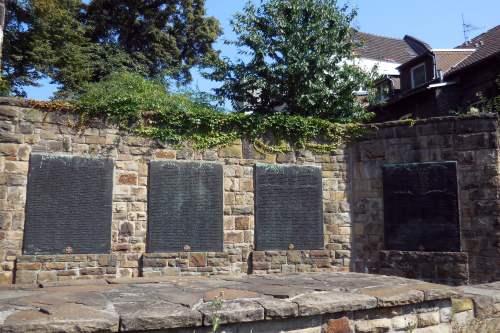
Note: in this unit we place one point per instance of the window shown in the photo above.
(362, 91)
(383, 92)
(418, 75)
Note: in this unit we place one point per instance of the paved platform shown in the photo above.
(138, 305)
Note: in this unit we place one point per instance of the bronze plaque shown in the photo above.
(421, 207)
(288, 207)
(185, 207)
(68, 205)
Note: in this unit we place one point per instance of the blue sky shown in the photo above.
(437, 22)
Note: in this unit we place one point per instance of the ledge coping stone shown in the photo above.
(188, 302)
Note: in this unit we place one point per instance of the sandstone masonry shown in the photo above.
(473, 142)
(352, 201)
(24, 131)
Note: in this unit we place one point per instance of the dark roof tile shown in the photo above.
(383, 48)
(446, 60)
(486, 44)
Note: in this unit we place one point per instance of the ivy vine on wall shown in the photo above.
(144, 107)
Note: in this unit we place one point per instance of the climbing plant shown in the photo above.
(144, 107)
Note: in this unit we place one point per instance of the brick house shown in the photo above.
(440, 81)
(384, 55)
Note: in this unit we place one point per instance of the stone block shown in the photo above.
(341, 325)
(6, 137)
(9, 111)
(316, 303)
(55, 265)
(234, 311)
(294, 257)
(428, 319)
(8, 149)
(445, 315)
(375, 325)
(286, 157)
(234, 150)
(92, 271)
(47, 277)
(259, 265)
(166, 154)
(28, 266)
(462, 319)
(26, 277)
(197, 260)
(6, 278)
(71, 272)
(320, 253)
(129, 264)
(461, 304)
(259, 256)
(154, 262)
(246, 185)
(275, 308)
(406, 322)
(395, 295)
(231, 237)
(127, 179)
(122, 247)
(442, 328)
(150, 274)
(242, 222)
(127, 229)
(322, 263)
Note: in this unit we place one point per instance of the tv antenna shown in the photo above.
(467, 28)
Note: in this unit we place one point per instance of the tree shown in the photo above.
(165, 36)
(2, 23)
(75, 43)
(18, 58)
(296, 58)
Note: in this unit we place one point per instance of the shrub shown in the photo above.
(145, 107)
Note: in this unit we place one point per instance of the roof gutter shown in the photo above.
(442, 84)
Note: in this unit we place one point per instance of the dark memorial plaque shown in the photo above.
(68, 205)
(185, 206)
(421, 207)
(288, 207)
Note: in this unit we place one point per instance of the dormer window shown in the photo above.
(418, 76)
(383, 92)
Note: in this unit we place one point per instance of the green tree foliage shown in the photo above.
(295, 55)
(65, 53)
(18, 59)
(165, 36)
(74, 43)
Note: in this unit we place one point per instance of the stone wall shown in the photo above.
(24, 131)
(471, 141)
(450, 268)
(352, 192)
(51, 268)
(295, 261)
(176, 263)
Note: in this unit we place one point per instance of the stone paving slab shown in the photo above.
(318, 303)
(176, 302)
